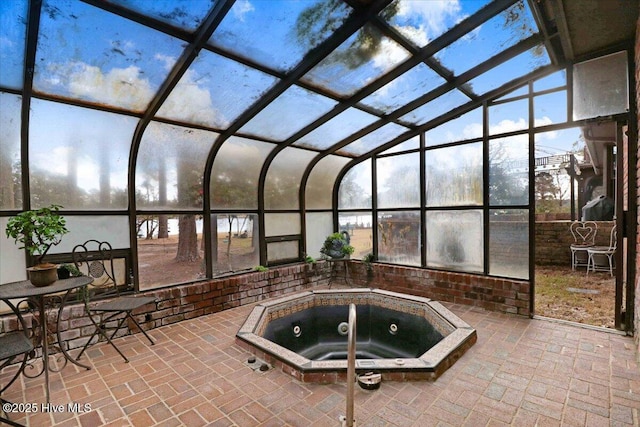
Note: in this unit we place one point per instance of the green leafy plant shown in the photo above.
(367, 260)
(336, 245)
(37, 230)
(309, 259)
(72, 269)
(260, 268)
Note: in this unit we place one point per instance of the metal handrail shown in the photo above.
(351, 363)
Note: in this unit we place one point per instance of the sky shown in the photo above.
(124, 63)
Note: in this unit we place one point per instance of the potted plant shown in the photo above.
(37, 231)
(337, 246)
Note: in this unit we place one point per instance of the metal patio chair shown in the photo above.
(600, 253)
(584, 237)
(105, 305)
(13, 346)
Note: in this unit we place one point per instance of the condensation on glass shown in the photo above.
(355, 187)
(281, 224)
(509, 243)
(318, 226)
(10, 156)
(235, 173)
(509, 171)
(234, 242)
(373, 140)
(398, 181)
(399, 237)
(282, 251)
(455, 240)
(184, 14)
(601, 87)
(338, 128)
(170, 166)
(113, 229)
(321, 181)
(282, 183)
(78, 157)
(454, 175)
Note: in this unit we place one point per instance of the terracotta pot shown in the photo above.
(43, 274)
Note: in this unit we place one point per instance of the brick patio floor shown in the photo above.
(521, 372)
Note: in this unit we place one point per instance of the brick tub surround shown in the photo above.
(189, 301)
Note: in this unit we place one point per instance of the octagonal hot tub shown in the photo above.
(402, 337)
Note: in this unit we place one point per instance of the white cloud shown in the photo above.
(434, 13)
(241, 8)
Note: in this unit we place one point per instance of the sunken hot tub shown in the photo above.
(400, 336)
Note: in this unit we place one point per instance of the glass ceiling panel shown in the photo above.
(122, 64)
(373, 140)
(410, 144)
(422, 21)
(337, 129)
(278, 33)
(185, 14)
(410, 85)
(521, 91)
(519, 66)
(13, 28)
(170, 166)
(290, 112)
(502, 31)
(215, 91)
(319, 189)
(432, 109)
(362, 58)
(467, 126)
(282, 183)
(78, 157)
(235, 173)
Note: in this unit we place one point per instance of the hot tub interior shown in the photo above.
(401, 336)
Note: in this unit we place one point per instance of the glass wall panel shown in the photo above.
(509, 171)
(86, 53)
(318, 226)
(399, 181)
(409, 86)
(246, 32)
(519, 66)
(235, 173)
(373, 139)
(509, 243)
(170, 166)
(319, 190)
(399, 237)
(78, 157)
(422, 21)
(10, 158)
(455, 240)
(552, 81)
(13, 30)
(282, 183)
(282, 251)
(359, 226)
(113, 229)
(550, 108)
(336, 129)
(176, 258)
(281, 224)
(601, 87)
(467, 126)
(206, 98)
(356, 62)
(454, 175)
(509, 117)
(12, 261)
(234, 243)
(432, 109)
(410, 144)
(291, 111)
(355, 187)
